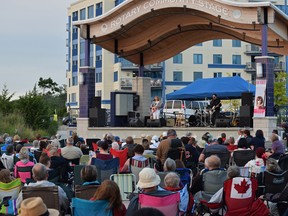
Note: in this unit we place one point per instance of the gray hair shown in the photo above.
(53, 150)
(233, 171)
(115, 145)
(172, 180)
(272, 165)
(212, 162)
(171, 132)
(169, 165)
(70, 141)
(36, 143)
(39, 172)
(56, 143)
(24, 153)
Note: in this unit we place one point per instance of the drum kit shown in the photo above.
(201, 118)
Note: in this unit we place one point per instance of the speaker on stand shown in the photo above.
(246, 114)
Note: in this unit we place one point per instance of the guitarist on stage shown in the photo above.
(155, 108)
(215, 105)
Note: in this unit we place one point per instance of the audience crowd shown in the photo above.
(193, 172)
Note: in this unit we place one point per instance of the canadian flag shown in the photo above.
(241, 188)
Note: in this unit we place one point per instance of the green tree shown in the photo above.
(6, 105)
(34, 109)
(280, 97)
(48, 86)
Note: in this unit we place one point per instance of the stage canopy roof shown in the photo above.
(225, 88)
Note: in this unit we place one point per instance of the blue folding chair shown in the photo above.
(105, 168)
(81, 207)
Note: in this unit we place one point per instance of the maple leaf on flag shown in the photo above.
(242, 187)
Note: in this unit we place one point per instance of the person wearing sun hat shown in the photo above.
(35, 206)
(148, 183)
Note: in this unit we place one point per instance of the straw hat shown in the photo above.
(35, 206)
(148, 178)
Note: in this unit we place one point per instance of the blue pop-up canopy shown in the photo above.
(225, 88)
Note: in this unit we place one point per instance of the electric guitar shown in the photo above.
(214, 108)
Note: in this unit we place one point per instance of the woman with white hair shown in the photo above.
(24, 162)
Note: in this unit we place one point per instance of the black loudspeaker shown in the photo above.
(153, 123)
(98, 118)
(163, 122)
(246, 122)
(93, 113)
(222, 122)
(145, 120)
(246, 111)
(96, 102)
(135, 122)
(247, 99)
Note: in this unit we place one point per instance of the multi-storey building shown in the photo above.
(217, 58)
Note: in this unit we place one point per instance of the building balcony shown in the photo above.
(252, 49)
(126, 83)
(280, 66)
(251, 67)
(156, 83)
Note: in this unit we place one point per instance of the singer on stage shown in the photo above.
(155, 108)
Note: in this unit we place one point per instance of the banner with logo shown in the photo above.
(260, 98)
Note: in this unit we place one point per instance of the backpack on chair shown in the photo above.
(176, 150)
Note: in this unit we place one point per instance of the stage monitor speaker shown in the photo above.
(153, 123)
(96, 102)
(163, 122)
(246, 122)
(246, 111)
(247, 99)
(222, 122)
(134, 122)
(99, 119)
(170, 122)
(93, 113)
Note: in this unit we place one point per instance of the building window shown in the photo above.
(197, 75)
(98, 48)
(217, 59)
(98, 93)
(90, 11)
(217, 74)
(99, 9)
(73, 97)
(74, 81)
(199, 44)
(115, 76)
(75, 16)
(83, 14)
(98, 77)
(117, 2)
(236, 59)
(178, 59)
(236, 74)
(197, 59)
(177, 76)
(276, 59)
(236, 43)
(217, 43)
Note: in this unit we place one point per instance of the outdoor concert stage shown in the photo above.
(138, 132)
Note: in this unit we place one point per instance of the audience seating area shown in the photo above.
(211, 191)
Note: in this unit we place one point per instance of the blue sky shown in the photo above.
(32, 43)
